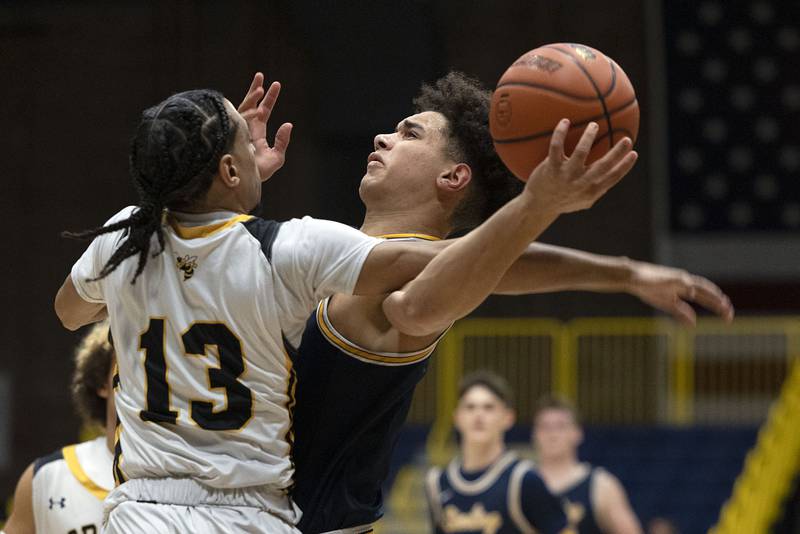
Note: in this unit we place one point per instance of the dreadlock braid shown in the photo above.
(173, 159)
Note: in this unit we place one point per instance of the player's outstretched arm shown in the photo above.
(465, 273)
(21, 520)
(547, 268)
(73, 311)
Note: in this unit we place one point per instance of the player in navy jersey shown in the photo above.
(356, 373)
(594, 499)
(487, 489)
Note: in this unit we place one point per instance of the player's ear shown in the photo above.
(579, 435)
(510, 419)
(228, 172)
(455, 178)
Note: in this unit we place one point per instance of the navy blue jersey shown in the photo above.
(351, 403)
(577, 500)
(505, 498)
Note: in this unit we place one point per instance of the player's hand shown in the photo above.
(567, 184)
(674, 290)
(256, 109)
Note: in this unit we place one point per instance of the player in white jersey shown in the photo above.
(203, 325)
(63, 493)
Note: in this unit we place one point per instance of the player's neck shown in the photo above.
(479, 456)
(381, 223)
(558, 465)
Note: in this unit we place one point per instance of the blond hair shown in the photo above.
(93, 358)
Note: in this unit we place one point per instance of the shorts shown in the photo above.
(178, 506)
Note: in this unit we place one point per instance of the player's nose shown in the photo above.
(382, 142)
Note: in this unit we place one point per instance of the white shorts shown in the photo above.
(178, 506)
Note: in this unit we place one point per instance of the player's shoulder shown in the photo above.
(48, 460)
(602, 479)
(121, 215)
(264, 231)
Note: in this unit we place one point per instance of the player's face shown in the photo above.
(243, 153)
(482, 417)
(402, 171)
(555, 434)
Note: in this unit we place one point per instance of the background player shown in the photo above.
(64, 491)
(594, 498)
(488, 488)
(435, 174)
(193, 153)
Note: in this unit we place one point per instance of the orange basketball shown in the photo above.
(550, 83)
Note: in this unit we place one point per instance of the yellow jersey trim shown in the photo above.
(193, 232)
(385, 358)
(77, 471)
(425, 237)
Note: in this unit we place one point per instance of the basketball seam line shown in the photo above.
(546, 88)
(561, 92)
(596, 88)
(575, 125)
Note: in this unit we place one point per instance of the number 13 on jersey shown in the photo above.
(196, 340)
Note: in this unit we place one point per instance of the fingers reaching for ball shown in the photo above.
(566, 183)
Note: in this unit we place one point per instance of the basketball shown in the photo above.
(556, 81)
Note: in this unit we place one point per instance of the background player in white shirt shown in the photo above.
(63, 492)
(202, 336)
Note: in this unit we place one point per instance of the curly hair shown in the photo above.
(93, 359)
(465, 104)
(173, 159)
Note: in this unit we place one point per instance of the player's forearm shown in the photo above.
(460, 277)
(548, 268)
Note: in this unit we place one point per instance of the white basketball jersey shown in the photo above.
(69, 487)
(202, 340)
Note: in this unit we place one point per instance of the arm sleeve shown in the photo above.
(541, 508)
(323, 257)
(93, 259)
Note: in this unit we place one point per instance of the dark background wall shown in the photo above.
(76, 76)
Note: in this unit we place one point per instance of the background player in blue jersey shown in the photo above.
(594, 498)
(436, 173)
(488, 489)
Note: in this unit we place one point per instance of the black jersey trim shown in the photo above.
(265, 232)
(44, 460)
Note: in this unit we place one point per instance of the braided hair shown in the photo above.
(173, 159)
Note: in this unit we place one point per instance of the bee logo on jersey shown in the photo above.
(575, 512)
(187, 264)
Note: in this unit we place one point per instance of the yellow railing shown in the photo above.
(617, 370)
